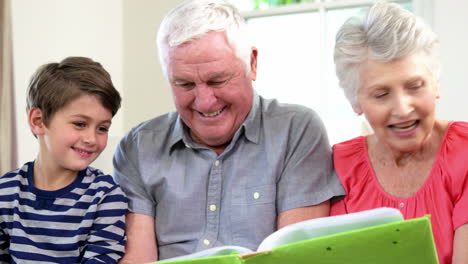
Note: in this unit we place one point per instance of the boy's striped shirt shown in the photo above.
(84, 221)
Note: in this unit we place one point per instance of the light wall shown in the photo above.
(147, 93)
(450, 23)
(49, 30)
(121, 35)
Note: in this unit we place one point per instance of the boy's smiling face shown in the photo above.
(75, 135)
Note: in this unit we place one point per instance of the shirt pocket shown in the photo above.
(256, 195)
(254, 215)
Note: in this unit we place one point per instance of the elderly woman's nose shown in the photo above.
(403, 105)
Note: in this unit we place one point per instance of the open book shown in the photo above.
(330, 238)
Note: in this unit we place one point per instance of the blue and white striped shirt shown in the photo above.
(83, 222)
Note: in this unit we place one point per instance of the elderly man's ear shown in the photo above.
(253, 64)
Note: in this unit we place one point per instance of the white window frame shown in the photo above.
(422, 8)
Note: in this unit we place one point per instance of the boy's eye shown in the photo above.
(103, 129)
(79, 124)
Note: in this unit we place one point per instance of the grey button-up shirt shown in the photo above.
(279, 159)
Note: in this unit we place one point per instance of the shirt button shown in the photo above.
(256, 195)
(212, 207)
(217, 163)
(402, 205)
(187, 146)
(206, 242)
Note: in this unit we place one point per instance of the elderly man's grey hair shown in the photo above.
(192, 19)
(387, 32)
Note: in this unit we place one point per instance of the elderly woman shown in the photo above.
(387, 65)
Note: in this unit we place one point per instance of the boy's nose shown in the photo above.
(89, 137)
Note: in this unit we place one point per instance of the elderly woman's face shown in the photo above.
(398, 99)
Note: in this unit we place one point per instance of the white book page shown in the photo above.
(330, 225)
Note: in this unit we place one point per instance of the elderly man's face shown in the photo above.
(212, 91)
(398, 99)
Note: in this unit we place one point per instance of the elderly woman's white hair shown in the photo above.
(387, 32)
(192, 19)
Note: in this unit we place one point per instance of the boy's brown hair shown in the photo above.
(56, 84)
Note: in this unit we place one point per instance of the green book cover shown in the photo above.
(375, 236)
(402, 242)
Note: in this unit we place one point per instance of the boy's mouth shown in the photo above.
(82, 152)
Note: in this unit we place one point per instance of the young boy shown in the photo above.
(56, 209)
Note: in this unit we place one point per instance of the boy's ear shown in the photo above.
(36, 121)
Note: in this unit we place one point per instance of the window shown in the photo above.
(295, 60)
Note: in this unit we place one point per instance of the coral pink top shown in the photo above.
(444, 195)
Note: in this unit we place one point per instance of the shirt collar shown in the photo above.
(251, 126)
(252, 122)
(177, 134)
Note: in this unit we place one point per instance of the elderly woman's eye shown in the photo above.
(417, 85)
(380, 95)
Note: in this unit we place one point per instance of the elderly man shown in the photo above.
(229, 167)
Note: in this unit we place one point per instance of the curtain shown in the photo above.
(7, 99)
